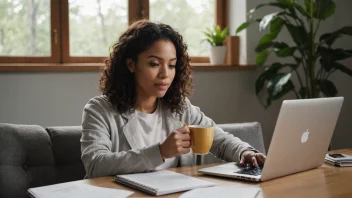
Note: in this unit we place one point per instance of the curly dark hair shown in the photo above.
(117, 82)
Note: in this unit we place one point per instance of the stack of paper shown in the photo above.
(75, 189)
(222, 192)
(342, 160)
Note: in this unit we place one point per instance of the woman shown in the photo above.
(137, 125)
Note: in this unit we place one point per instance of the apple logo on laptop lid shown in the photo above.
(305, 136)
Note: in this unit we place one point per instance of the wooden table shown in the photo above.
(326, 181)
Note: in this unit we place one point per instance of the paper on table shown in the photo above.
(222, 192)
(74, 189)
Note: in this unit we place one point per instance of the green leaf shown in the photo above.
(330, 38)
(269, 73)
(293, 12)
(274, 4)
(303, 92)
(261, 57)
(267, 19)
(287, 3)
(259, 83)
(276, 84)
(265, 42)
(217, 30)
(209, 35)
(301, 9)
(308, 5)
(246, 24)
(263, 46)
(207, 40)
(288, 51)
(326, 59)
(268, 101)
(224, 33)
(298, 60)
(266, 75)
(286, 88)
(210, 31)
(328, 88)
(276, 25)
(323, 9)
(276, 89)
(217, 36)
(340, 54)
(342, 68)
(243, 26)
(298, 34)
(279, 45)
(330, 56)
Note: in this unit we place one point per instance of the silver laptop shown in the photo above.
(300, 141)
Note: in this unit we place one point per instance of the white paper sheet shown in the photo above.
(74, 189)
(222, 192)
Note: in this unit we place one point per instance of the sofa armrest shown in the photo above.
(26, 159)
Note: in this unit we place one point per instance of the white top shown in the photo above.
(154, 130)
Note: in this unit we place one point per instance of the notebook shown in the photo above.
(161, 182)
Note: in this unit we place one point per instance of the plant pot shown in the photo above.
(217, 55)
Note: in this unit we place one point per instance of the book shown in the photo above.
(341, 164)
(161, 182)
(75, 189)
(341, 160)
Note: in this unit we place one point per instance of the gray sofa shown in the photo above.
(32, 156)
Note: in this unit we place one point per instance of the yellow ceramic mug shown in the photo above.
(201, 138)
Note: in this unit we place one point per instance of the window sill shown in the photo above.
(92, 67)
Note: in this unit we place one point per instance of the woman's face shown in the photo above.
(154, 70)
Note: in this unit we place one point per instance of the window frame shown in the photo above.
(54, 38)
(59, 26)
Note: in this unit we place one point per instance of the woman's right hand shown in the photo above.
(177, 143)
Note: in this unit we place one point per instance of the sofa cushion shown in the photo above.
(67, 152)
(26, 159)
(250, 132)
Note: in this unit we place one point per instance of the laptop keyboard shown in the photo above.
(250, 171)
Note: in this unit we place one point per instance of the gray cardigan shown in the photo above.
(110, 143)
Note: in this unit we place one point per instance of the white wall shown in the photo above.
(57, 99)
(45, 99)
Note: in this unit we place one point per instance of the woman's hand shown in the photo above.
(250, 157)
(177, 143)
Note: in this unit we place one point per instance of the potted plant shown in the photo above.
(314, 56)
(216, 38)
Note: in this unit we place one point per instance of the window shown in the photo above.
(189, 17)
(78, 31)
(95, 26)
(26, 31)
